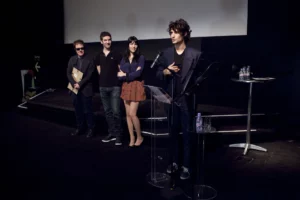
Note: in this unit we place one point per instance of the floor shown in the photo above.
(40, 160)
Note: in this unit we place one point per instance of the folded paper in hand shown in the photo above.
(77, 76)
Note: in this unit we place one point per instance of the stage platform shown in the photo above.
(57, 103)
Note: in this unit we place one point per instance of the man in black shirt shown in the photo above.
(82, 101)
(107, 63)
(175, 63)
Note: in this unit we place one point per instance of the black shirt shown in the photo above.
(79, 63)
(178, 59)
(108, 68)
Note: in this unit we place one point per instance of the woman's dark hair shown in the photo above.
(182, 27)
(137, 53)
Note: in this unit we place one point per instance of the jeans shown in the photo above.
(83, 110)
(110, 97)
(181, 121)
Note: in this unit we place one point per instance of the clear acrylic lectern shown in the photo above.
(158, 97)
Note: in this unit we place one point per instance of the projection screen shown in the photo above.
(149, 19)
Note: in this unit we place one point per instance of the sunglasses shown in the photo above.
(78, 49)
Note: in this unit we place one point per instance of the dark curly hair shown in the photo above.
(137, 53)
(181, 26)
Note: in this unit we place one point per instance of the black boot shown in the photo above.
(90, 133)
(77, 132)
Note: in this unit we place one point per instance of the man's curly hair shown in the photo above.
(182, 27)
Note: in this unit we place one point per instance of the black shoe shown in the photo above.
(89, 133)
(77, 132)
(109, 138)
(185, 174)
(118, 141)
(175, 168)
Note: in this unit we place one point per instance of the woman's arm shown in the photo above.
(133, 75)
(121, 75)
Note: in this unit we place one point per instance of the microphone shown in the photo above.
(155, 60)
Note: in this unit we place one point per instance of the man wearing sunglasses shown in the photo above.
(82, 101)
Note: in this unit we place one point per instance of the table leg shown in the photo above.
(248, 145)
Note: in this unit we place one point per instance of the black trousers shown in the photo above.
(83, 110)
(182, 122)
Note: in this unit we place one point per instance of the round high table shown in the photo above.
(248, 145)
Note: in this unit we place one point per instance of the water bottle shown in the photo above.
(248, 72)
(245, 73)
(199, 127)
(241, 74)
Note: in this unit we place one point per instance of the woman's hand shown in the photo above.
(121, 74)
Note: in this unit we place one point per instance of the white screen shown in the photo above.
(149, 19)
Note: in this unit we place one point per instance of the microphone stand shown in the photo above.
(174, 101)
(201, 78)
(171, 117)
(171, 124)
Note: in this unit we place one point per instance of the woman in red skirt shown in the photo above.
(131, 68)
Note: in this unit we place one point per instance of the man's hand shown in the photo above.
(166, 72)
(121, 74)
(171, 67)
(99, 69)
(76, 86)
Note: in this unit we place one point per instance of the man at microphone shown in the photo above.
(176, 63)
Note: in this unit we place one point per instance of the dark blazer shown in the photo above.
(87, 68)
(191, 60)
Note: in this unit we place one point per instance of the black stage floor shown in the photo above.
(61, 99)
(58, 105)
(40, 160)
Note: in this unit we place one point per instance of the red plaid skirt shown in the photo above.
(133, 91)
